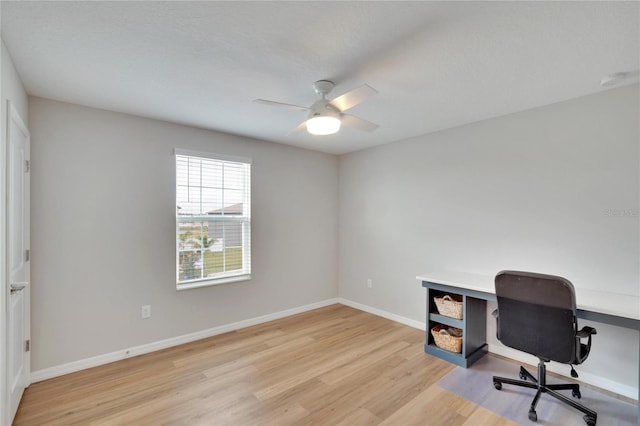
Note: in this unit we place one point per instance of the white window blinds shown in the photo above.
(213, 220)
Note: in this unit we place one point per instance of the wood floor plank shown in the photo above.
(331, 366)
(361, 417)
(343, 371)
(278, 352)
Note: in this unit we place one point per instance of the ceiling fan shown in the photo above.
(326, 116)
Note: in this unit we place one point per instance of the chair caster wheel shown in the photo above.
(497, 385)
(591, 421)
(522, 374)
(576, 394)
(533, 416)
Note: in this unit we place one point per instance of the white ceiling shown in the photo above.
(436, 65)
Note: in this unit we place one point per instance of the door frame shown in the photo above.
(4, 275)
(5, 396)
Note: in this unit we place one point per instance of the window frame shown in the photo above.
(244, 219)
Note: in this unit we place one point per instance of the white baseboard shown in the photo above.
(388, 315)
(59, 370)
(82, 364)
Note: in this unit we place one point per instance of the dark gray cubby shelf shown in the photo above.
(473, 325)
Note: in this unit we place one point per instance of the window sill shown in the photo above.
(212, 282)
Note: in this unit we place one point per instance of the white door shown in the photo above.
(18, 165)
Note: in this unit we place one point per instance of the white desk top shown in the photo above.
(603, 302)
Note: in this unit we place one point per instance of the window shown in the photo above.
(213, 219)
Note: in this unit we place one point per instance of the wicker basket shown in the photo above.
(449, 306)
(449, 338)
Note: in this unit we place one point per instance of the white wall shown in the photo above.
(11, 89)
(103, 232)
(554, 190)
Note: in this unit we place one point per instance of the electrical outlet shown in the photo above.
(369, 283)
(145, 311)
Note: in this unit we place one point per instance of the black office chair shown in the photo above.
(537, 314)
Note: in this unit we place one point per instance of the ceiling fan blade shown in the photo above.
(353, 97)
(280, 104)
(358, 123)
(301, 126)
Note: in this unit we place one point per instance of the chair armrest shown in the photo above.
(496, 315)
(582, 350)
(586, 332)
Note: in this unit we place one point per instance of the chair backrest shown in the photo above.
(537, 314)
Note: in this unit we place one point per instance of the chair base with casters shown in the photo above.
(541, 386)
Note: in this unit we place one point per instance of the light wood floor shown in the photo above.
(331, 366)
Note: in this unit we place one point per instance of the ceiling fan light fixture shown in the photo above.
(322, 125)
(326, 116)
